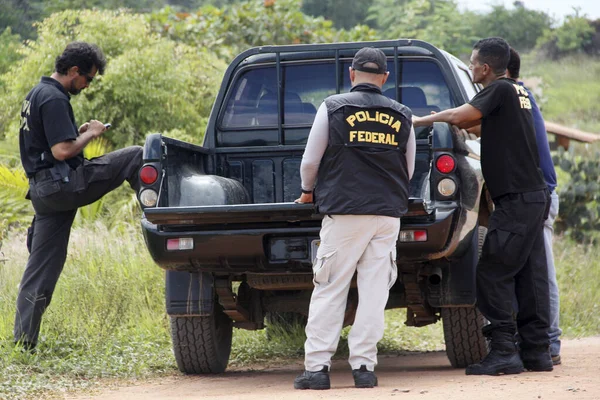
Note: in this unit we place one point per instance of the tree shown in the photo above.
(151, 84)
(230, 30)
(344, 14)
(520, 26)
(9, 50)
(436, 21)
(574, 35)
(20, 15)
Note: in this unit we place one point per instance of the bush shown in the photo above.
(9, 50)
(151, 83)
(230, 30)
(573, 36)
(579, 192)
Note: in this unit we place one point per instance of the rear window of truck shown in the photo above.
(252, 101)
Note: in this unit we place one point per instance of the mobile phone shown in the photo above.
(107, 126)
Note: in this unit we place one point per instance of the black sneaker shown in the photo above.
(364, 378)
(556, 360)
(313, 380)
(497, 362)
(537, 360)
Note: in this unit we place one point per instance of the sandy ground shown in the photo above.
(424, 376)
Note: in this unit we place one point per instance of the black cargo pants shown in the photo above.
(55, 204)
(513, 265)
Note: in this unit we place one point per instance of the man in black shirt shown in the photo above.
(60, 179)
(513, 262)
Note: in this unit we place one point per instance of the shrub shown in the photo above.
(151, 83)
(574, 35)
(230, 30)
(579, 192)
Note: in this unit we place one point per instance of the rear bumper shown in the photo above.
(276, 247)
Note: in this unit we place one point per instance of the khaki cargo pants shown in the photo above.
(365, 244)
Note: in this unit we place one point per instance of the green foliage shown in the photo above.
(231, 30)
(106, 320)
(579, 196)
(53, 6)
(578, 274)
(438, 22)
(571, 90)
(9, 50)
(571, 37)
(344, 14)
(151, 84)
(14, 208)
(520, 26)
(20, 16)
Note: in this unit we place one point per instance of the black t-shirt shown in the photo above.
(509, 156)
(46, 119)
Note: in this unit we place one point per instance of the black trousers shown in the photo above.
(55, 204)
(512, 272)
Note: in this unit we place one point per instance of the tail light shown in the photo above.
(445, 164)
(148, 174)
(149, 198)
(180, 244)
(413, 236)
(446, 187)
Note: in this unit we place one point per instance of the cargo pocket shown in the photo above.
(322, 266)
(393, 268)
(97, 169)
(506, 241)
(46, 188)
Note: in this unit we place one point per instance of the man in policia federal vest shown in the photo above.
(361, 153)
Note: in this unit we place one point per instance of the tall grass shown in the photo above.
(578, 274)
(107, 318)
(570, 90)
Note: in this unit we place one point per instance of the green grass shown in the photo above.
(570, 90)
(107, 321)
(578, 274)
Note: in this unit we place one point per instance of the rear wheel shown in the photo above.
(202, 344)
(465, 343)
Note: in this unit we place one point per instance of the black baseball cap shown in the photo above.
(370, 55)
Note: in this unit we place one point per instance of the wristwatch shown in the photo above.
(307, 191)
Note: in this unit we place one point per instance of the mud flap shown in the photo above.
(458, 279)
(189, 293)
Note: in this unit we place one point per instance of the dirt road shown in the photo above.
(423, 376)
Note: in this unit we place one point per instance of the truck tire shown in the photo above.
(202, 344)
(465, 343)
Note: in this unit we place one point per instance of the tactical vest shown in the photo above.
(363, 170)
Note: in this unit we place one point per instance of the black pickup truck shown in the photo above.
(220, 218)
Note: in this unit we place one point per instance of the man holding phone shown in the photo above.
(60, 179)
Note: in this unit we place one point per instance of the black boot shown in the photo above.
(318, 380)
(537, 359)
(364, 378)
(497, 362)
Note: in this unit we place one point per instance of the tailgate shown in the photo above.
(249, 213)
